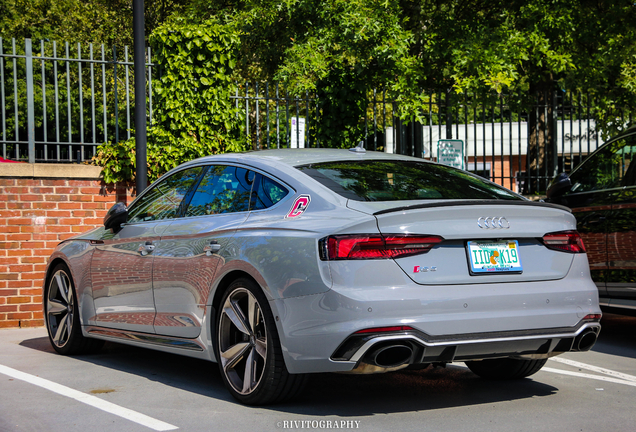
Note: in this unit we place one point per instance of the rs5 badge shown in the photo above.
(300, 205)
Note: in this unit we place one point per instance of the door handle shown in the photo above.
(145, 249)
(212, 248)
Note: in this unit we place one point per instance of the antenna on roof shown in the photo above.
(359, 148)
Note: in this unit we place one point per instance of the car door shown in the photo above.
(194, 245)
(621, 278)
(122, 263)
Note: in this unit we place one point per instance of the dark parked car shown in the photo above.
(602, 195)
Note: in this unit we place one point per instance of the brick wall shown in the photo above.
(41, 205)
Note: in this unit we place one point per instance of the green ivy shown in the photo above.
(194, 116)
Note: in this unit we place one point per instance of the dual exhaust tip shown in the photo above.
(398, 354)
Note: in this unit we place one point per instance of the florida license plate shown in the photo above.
(486, 257)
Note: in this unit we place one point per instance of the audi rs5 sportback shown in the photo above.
(281, 263)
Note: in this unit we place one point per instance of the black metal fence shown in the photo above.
(59, 102)
(521, 146)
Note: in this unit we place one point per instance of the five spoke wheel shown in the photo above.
(60, 308)
(242, 341)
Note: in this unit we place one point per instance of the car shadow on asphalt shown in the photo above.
(325, 394)
(618, 336)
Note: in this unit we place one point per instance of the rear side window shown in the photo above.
(266, 193)
(402, 180)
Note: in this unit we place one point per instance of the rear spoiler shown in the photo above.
(473, 203)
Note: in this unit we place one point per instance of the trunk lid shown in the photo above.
(458, 222)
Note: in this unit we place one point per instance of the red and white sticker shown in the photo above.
(300, 205)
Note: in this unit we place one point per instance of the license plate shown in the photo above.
(486, 257)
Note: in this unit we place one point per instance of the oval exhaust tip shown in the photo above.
(392, 355)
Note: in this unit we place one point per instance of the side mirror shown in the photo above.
(560, 185)
(117, 215)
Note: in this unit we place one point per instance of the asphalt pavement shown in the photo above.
(132, 389)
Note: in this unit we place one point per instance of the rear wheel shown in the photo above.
(248, 348)
(61, 312)
(505, 368)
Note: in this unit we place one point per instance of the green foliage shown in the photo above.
(194, 116)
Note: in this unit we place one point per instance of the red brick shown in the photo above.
(54, 182)
(19, 237)
(8, 324)
(10, 214)
(8, 276)
(7, 261)
(19, 284)
(19, 221)
(69, 221)
(34, 213)
(83, 198)
(19, 268)
(56, 198)
(91, 190)
(28, 182)
(37, 292)
(7, 182)
(18, 300)
(59, 229)
(18, 205)
(17, 190)
(9, 245)
(45, 205)
(66, 190)
(67, 206)
(19, 315)
(42, 190)
(40, 236)
(31, 197)
(8, 292)
(95, 205)
(58, 213)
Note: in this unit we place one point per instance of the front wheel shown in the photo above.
(61, 311)
(505, 368)
(248, 348)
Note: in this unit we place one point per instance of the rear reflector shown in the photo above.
(566, 241)
(592, 317)
(384, 329)
(364, 246)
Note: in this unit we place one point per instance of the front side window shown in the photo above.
(223, 189)
(392, 180)
(610, 167)
(164, 199)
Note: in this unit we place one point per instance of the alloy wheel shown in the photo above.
(60, 308)
(242, 341)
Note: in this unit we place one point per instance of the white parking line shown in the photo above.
(589, 376)
(594, 369)
(93, 401)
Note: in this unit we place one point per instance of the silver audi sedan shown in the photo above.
(280, 263)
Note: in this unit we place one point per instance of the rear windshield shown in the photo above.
(402, 180)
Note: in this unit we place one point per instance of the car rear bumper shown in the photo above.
(448, 322)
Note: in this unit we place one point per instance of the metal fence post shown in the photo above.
(30, 103)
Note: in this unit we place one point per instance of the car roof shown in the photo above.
(298, 157)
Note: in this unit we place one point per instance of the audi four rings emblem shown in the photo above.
(493, 223)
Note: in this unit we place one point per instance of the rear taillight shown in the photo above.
(364, 246)
(566, 241)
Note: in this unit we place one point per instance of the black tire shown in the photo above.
(61, 313)
(505, 368)
(248, 344)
